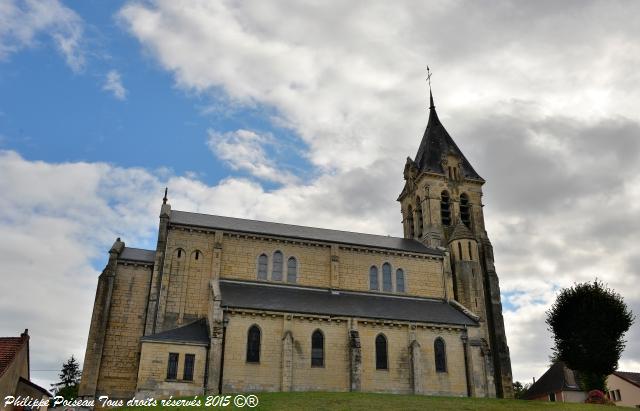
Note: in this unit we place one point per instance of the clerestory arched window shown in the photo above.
(387, 284)
(263, 264)
(373, 278)
(276, 272)
(292, 270)
(399, 280)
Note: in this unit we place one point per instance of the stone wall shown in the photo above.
(272, 373)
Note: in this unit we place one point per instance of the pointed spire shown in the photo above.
(437, 143)
(164, 199)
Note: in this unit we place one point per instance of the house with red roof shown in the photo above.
(14, 372)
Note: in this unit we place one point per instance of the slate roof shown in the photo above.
(300, 232)
(437, 142)
(460, 232)
(344, 303)
(195, 332)
(137, 254)
(632, 377)
(557, 378)
(9, 348)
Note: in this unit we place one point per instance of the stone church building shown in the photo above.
(234, 305)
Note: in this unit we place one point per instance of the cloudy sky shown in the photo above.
(304, 112)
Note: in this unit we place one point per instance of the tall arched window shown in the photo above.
(445, 208)
(387, 285)
(465, 213)
(263, 263)
(292, 270)
(410, 222)
(317, 349)
(253, 344)
(400, 280)
(276, 272)
(419, 216)
(440, 353)
(381, 352)
(373, 278)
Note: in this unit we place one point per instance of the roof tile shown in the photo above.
(9, 347)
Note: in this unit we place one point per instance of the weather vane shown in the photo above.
(429, 74)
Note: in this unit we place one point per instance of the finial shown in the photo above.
(164, 199)
(429, 74)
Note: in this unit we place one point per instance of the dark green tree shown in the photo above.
(69, 380)
(519, 390)
(588, 322)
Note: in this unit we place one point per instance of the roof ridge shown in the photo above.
(333, 290)
(316, 234)
(138, 248)
(296, 225)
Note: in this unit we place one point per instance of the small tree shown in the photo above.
(69, 380)
(588, 322)
(519, 390)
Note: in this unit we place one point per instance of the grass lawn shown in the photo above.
(370, 402)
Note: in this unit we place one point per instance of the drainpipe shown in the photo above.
(465, 345)
(225, 322)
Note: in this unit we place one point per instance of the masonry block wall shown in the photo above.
(334, 375)
(125, 326)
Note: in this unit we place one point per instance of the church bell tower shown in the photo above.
(441, 205)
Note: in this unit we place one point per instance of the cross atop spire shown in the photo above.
(429, 74)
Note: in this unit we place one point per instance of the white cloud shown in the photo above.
(244, 150)
(113, 84)
(22, 21)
